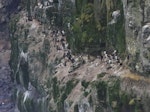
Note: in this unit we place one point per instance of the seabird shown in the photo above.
(116, 14)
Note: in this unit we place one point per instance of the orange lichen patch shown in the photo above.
(136, 77)
(133, 76)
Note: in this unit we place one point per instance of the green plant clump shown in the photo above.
(65, 92)
(84, 84)
(55, 89)
(91, 32)
(110, 96)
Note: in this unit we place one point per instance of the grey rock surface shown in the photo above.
(6, 90)
(137, 25)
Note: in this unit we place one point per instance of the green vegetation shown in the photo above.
(90, 100)
(14, 47)
(110, 96)
(54, 16)
(101, 75)
(90, 30)
(29, 105)
(76, 109)
(101, 88)
(46, 46)
(84, 84)
(25, 74)
(134, 60)
(86, 35)
(66, 90)
(86, 93)
(56, 93)
(43, 53)
(29, 10)
(19, 100)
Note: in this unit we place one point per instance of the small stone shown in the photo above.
(132, 102)
(1, 6)
(114, 104)
(3, 68)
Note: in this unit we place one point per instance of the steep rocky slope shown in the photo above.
(7, 7)
(58, 58)
(137, 27)
(7, 103)
(6, 85)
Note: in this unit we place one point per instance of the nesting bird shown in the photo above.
(115, 16)
(40, 5)
(26, 96)
(148, 38)
(51, 1)
(131, 24)
(63, 33)
(114, 52)
(145, 26)
(146, 29)
(146, 32)
(105, 54)
(68, 25)
(24, 56)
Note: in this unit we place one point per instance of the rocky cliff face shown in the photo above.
(137, 17)
(7, 8)
(6, 85)
(58, 62)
